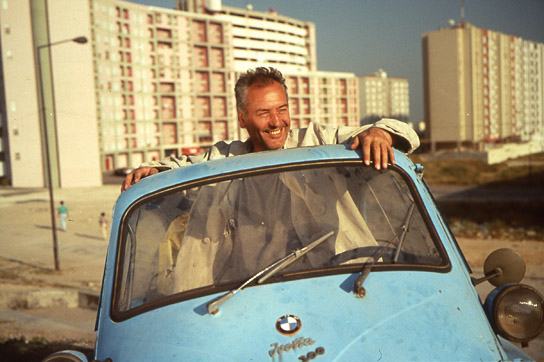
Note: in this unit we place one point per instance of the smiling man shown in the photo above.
(263, 110)
(265, 116)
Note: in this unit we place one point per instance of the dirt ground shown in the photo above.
(26, 262)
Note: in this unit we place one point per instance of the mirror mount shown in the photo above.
(497, 272)
(503, 266)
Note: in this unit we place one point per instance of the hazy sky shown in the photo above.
(362, 36)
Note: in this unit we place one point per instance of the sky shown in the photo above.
(363, 36)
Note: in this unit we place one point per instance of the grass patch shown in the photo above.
(528, 171)
(494, 229)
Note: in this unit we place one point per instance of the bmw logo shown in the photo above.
(288, 324)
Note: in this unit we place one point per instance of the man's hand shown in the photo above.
(376, 144)
(137, 175)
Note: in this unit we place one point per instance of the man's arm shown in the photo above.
(153, 167)
(405, 139)
(377, 140)
(376, 144)
(219, 150)
(136, 175)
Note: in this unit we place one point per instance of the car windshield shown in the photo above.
(200, 240)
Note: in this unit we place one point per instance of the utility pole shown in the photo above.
(43, 115)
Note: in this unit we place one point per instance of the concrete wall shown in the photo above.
(511, 151)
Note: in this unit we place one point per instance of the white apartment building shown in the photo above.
(164, 82)
(382, 96)
(62, 123)
(263, 38)
(151, 82)
(482, 87)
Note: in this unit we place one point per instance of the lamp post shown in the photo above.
(43, 114)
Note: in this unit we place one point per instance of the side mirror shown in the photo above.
(503, 266)
(515, 311)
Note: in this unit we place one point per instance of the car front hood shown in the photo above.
(404, 316)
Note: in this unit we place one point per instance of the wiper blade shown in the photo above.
(295, 255)
(213, 306)
(358, 288)
(405, 227)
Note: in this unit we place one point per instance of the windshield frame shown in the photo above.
(118, 315)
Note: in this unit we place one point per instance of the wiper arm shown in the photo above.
(405, 226)
(358, 288)
(213, 306)
(295, 255)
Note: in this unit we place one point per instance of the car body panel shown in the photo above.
(409, 303)
(405, 315)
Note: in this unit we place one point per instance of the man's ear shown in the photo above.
(241, 119)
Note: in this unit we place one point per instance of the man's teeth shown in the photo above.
(274, 132)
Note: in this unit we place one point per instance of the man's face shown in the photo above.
(267, 120)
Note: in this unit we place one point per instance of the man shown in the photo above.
(263, 110)
(103, 222)
(62, 211)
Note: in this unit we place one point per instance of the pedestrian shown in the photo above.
(63, 215)
(103, 221)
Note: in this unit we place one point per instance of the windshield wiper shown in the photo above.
(358, 288)
(405, 227)
(295, 255)
(213, 306)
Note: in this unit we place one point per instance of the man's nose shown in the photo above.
(275, 119)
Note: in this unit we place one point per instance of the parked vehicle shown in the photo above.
(298, 255)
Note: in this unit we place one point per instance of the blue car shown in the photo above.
(300, 255)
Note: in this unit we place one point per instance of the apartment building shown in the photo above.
(326, 97)
(263, 38)
(59, 122)
(164, 82)
(382, 96)
(482, 87)
(270, 39)
(150, 83)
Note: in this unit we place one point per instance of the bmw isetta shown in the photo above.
(300, 255)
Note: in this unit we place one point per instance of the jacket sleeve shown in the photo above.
(405, 138)
(171, 162)
(219, 150)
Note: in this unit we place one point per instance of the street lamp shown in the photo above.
(43, 114)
